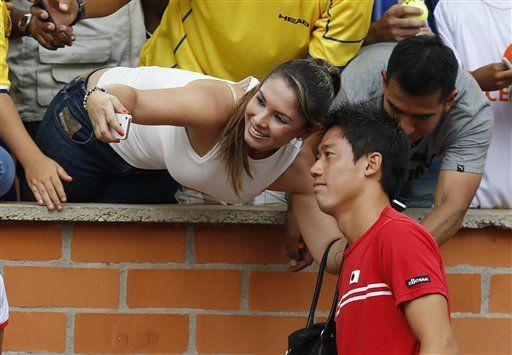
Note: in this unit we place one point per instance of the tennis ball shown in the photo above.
(420, 5)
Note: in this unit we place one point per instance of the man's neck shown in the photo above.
(355, 218)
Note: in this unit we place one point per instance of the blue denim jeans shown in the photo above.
(99, 173)
(7, 171)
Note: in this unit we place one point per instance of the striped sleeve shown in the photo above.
(5, 29)
(340, 31)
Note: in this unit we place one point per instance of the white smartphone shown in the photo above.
(124, 121)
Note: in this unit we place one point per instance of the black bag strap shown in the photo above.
(318, 287)
(329, 325)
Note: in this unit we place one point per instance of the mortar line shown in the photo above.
(460, 269)
(486, 285)
(156, 266)
(181, 311)
(190, 255)
(70, 332)
(244, 290)
(467, 269)
(192, 325)
(482, 315)
(25, 352)
(188, 311)
(67, 233)
(123, 279)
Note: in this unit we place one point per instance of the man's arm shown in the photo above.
(153, 12)
(490, 77)
(494, 76)
(69, 8)
(428, 318)
(454, 192)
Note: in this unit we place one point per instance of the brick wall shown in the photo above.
(163, 288)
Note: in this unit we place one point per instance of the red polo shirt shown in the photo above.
(395, 261)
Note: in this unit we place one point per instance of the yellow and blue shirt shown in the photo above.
(236, 39)
(5, 31)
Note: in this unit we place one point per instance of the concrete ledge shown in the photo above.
(203, 214)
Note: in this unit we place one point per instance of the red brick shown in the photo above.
(240, 244)
(228, 334)
(35, 332)
(479, 247)
(206, 289)
(465, 291)
(30, 241)
(500, 298)
(287, 291)
(30, 286)
(128, 242)
(131, 333)
(483, 336)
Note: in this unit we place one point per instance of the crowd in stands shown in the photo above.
(229, 100)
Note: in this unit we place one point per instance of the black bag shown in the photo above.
(316, 338)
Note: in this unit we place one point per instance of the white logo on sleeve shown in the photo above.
(354, 277)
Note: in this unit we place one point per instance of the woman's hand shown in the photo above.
(102, 108)
(43, 177)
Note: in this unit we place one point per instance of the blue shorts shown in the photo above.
(7, 171)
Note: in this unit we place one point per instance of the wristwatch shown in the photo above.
(81, 12)
(24, 22)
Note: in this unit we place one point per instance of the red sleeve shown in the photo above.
(411, 261)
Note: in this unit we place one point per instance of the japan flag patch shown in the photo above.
(354, 277)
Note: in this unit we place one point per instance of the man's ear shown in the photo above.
(448, 103)
(384, 75)
(373, 164)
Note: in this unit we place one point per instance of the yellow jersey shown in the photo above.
(234, 39)
(5, 31)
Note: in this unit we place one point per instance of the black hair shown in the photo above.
(423, 65)
(370, 130)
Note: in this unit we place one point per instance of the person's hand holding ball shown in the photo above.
(402, 20)
(418, 4)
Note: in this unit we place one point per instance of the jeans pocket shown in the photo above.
(71, 128)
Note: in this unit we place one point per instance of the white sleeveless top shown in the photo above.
(168, 147)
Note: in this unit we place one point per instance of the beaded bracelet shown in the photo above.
(96, 88)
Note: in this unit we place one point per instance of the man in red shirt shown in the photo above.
(392, 288)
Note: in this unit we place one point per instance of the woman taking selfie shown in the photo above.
(229, 140)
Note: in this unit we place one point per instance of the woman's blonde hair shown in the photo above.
(315, 83)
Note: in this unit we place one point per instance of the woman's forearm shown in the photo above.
(317, 230)
(14, 134)
(126, 95)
